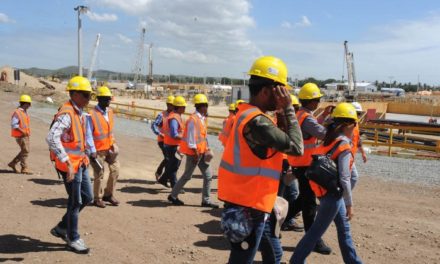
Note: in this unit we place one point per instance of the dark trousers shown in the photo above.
(306, 201)
(163, 164)
(172, 165)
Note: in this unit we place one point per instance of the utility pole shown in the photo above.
(80, 10)
(391, 78)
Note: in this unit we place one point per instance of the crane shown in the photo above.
(94, 55)
(139, 59)
(349, 60)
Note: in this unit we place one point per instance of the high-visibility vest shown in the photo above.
(24, 123)
(243, 178)
(309, 144)
(321, 150)
(164, 120)
(227, 126)
(168, 140)
(102, 130)
(76, 145)
(200, 134)
(355, 139)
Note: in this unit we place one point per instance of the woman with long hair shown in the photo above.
(334, 206)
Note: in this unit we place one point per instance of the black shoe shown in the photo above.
(175, 201)
(210, 204)
(322, 248)
(163, 182)
(292, 227)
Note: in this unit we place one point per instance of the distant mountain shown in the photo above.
(67, 72)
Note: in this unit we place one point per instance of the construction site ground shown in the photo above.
(395, 222)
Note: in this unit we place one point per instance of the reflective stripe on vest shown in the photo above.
(200, 135)
(23, 124)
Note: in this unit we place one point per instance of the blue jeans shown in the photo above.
(330, 209)
(163, 164)
(246, 256)
(270, 245)
(80, 194)
(172, 165)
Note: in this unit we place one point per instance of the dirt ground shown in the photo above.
(394, 222)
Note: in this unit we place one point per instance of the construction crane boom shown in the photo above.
(139, 60)
(93, 59)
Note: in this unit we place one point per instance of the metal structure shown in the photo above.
(351, 74)
(150, 65)
(94, 56)
(80, 10)
(139, 59)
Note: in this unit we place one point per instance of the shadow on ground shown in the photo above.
(136, 181)
(46, 181)
(138, 189)
(11, 259)
(16, 244)
(149, 203)
(211, 228)
(7, 171)
(56, 202)
(214, 242)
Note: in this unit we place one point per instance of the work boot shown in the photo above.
(78, 246)
(99, 203)
(292, 226)
(12, 166)
(175, 201)
(26, 171)
(322, 248)
(111, 199)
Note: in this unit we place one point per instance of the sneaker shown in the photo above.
(12, 166)
(175, 201)
(59, 232)
(111, 199)
(322, 248)
(292, 227)
(210, 205)
(78, 246)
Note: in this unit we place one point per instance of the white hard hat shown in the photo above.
(357, 106)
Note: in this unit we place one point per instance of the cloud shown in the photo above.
(5, 19)
(209, 30)
(305, 22)
(286, 24)
(124, 39)
(188, 56)
(102, 17)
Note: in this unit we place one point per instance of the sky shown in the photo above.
(391, 40)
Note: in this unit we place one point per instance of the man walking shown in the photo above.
(21, 131)
(106, 150)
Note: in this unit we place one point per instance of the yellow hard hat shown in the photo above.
(232, 107)
(79, 83)
(170, 99)
(24, 98)
(345, 110)
(179, 101)
(104, 91)
(239, 102)
(271, 68)
(294, 100)
(309, 91)
(200, 99)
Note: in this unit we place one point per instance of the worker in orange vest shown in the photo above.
(195, 146)
(227, 125)
(173, 133)
(312, 131)
(335, 206)
(21, 131)
(356, 143)
(250, 168)
(157, 128)
(67, 145)
(101, 125)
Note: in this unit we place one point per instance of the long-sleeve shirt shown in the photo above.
(345, 172)
(174, 128)
(191, 135)
(60, 130)
(155, 126)
(15, 121)
(261, 134)
(311, 128)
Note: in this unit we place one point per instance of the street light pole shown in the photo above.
(80, 10)
(391, 78)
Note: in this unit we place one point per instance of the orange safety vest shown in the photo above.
(243, 178)
(227, 126)
(164, 120)
(200, 134)
(24, 123)
(168, 140)
(75, 147)
(102, 130)
(309, 144)
(355, 139)
(321, 150)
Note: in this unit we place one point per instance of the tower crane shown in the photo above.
(349, 60)
(139, 59)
